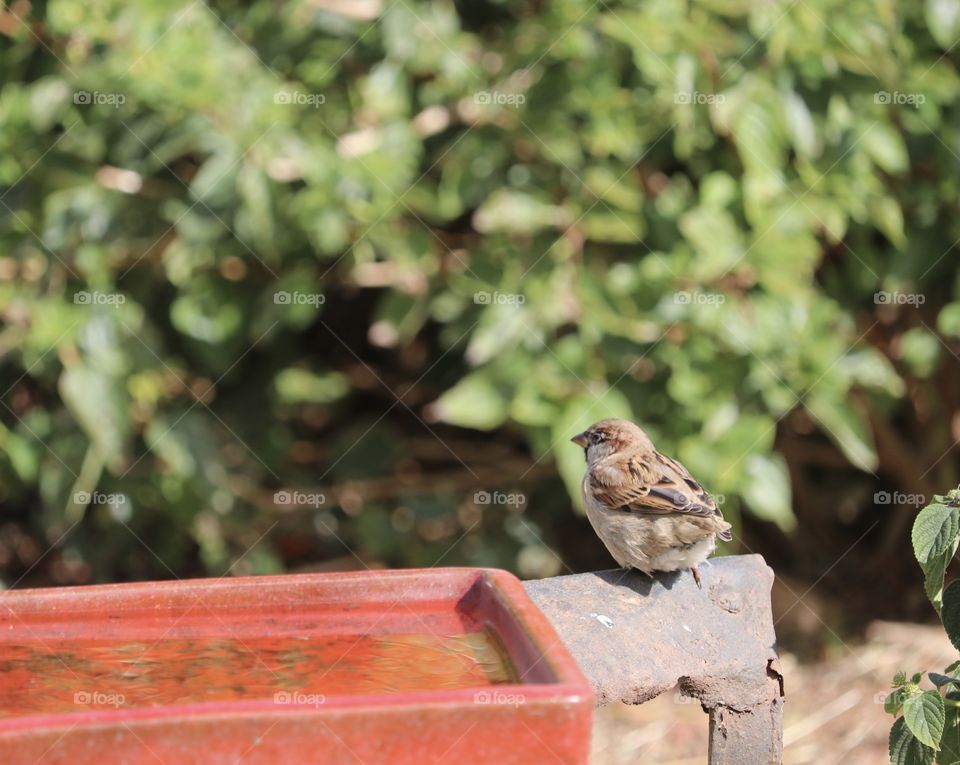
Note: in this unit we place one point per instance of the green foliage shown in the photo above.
(930, 723)
(934, 531)
(905, 749)
(924, 714)
(935, 539)
(233, 235)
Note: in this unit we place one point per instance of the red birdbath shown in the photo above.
(427, 666)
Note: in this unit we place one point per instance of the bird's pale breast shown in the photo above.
(654, 542)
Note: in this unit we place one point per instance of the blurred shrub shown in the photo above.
(234, 233)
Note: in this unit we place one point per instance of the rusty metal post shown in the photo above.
(636, 637)
(753, 737)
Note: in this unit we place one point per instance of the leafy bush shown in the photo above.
(929, 728)
(235, 235)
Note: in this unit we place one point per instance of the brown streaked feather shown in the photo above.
(649, 482)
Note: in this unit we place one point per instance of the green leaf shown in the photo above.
(622, 228)
(894, 702)
(943, 21)
(716, 238)
(905, 749)
(518, 213)
(300, 386)
(206, 316)
(948, 321)
(98, 402)
(885, 146)
(934, 572)
(924, 714)
(950, 742)
(887, 215)
(920, 350)
(941, 680)
(255, 217)
(474, 402)
(950, 613)
(766, 489)
(800, 126)
(847, 428)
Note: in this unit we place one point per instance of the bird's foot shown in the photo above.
(696, 577)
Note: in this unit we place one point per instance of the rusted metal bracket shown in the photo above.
(636, 637)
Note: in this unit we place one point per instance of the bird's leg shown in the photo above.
(696, 577)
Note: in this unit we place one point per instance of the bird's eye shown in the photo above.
(596, 437)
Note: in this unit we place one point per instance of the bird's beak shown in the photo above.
(580, 440)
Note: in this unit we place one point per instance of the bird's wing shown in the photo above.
(652, 483)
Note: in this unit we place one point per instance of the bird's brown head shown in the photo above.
(609, 437)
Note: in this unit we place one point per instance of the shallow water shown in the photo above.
(76, 675)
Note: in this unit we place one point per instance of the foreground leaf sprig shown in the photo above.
(928, 726)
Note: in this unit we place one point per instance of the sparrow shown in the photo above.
(647, 509)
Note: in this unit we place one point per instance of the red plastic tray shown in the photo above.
(424, 666)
